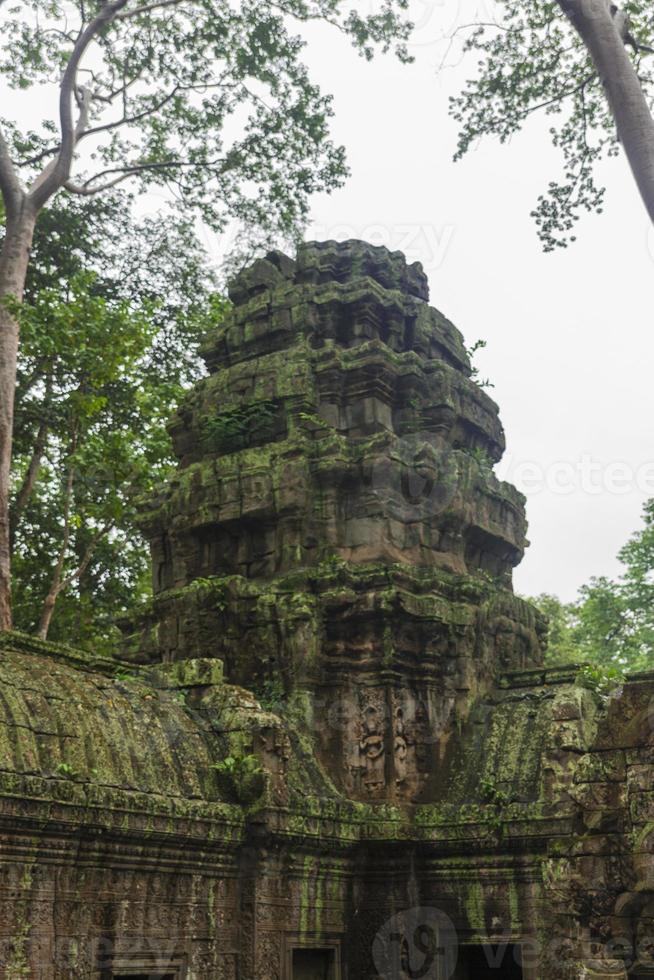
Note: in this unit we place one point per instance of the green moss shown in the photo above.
(474, 907)
(306, 904)
(17, 963)
(600, 680)
(641, 836)
(58, 652)
(514, 909)
(241, 777)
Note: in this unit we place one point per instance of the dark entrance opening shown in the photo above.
(501, 961)
(314, 964)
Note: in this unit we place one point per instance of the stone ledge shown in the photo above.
(197, 672)
(59, 652)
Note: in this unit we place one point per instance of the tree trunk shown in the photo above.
(597, 28)
(46, 615)
(29, 482)
(14, 259)
(59, 584)
(50, 601)
(56, 584)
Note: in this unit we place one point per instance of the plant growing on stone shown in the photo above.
(491, 793)
(601, 680)
(481, 458)
(271, 694)
(206, 99)
(241, 777)
(240, 427)
(475, 374)
(584, 63)
(332, 563)
(211, 590)
(65, 769)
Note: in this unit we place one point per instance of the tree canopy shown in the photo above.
(208, 100)
(588, 67)
(612, 622)
(112, 319)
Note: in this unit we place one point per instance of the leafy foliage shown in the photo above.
(612, 623)
(562, 645)
(241, 778)
(103, 362)
(531, 60)
(207, 98)
(492, 794)
(241, 427)
(475, 375)
(601, 680)
(206, 101)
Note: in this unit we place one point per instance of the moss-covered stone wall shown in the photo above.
(331, 727)
(335, 532)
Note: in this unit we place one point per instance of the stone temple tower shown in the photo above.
(330, 749)
(335, 533)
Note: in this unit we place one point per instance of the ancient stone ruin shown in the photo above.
(329, 749)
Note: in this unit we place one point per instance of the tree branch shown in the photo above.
(58, 171)
(10, 187)
(82, 131)
(29, 481)
(85, 190)
(560, 96)
(124, 120)
(147, 8)
(86, 559)
(628, 103)
(130, 120)
(59, 584)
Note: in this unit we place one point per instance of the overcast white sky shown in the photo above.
(570, 336)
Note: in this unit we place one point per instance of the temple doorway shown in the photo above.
(314, 964)
(500, 961)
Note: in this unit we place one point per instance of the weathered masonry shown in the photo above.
(328, 749)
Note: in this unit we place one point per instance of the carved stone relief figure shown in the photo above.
(400, 749)
(372, 749)
(411, 743)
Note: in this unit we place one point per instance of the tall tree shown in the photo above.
(113, 315)
(612, 622)
(585, 64)
(207, 98)
(562, 645)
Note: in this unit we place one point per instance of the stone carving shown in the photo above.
(400, 749)
(268, 957)
(333, 624)
(336, 489)
(372, 748)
